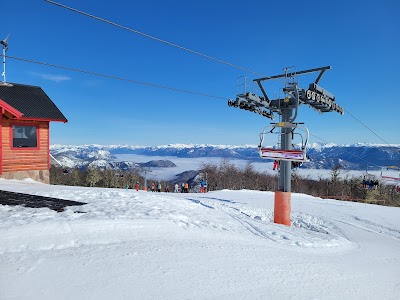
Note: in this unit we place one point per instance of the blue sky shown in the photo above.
(358, 39)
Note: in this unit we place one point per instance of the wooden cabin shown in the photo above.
(26, 112)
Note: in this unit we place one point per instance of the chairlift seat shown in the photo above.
(390, 174)
(390, 178)
(277, 154)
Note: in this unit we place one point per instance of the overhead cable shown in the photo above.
(368, 128)
(369, 163)
(115, 77)
(153, 37)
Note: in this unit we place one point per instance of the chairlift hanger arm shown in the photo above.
(263, 91)
(297, 73)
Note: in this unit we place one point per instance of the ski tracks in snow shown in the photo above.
(307, 231)
(370, 226)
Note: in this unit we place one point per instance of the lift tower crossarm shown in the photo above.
(321, 69)
(263, 91)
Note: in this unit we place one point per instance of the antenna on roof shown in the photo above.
(4, 44)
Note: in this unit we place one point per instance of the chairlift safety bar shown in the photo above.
(279, 154)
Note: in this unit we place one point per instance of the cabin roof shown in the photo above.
(31, 101)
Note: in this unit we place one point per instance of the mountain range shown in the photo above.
(323, 156)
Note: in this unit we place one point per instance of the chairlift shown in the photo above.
(369, 182)
(390, 174)
(66, 171)
(294, 155)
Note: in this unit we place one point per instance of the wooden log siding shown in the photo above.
(25, 159)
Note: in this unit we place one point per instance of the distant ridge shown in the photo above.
(323, 156)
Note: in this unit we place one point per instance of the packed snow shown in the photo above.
(125, 244)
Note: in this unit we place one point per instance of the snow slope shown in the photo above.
(219, 245)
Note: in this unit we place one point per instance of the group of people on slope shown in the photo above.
(183, 188)
(370, 184)
(156, 187)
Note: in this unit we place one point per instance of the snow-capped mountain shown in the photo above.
(323, 156)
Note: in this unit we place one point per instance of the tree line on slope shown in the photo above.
(95, 177)
(227, 176)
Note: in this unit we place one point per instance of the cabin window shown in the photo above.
(24, 136)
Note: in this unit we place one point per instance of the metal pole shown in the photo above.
(145, 180)
(4, 64)
(284, 182)
(282, 201)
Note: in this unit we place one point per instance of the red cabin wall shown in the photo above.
(24, 160)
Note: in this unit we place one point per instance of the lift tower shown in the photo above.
(315, 97)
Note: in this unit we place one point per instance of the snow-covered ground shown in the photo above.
(219, 245)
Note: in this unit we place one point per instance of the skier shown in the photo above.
(186, 187)
(276, 165)
(176, 190)
(202, 186)
(137, 186)
(159, 187)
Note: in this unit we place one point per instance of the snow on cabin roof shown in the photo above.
(31, 101)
